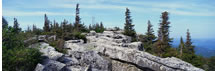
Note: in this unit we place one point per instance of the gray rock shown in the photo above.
(75, 41)
(146, 60)
(92, 33)
(95, 61)
(52, 65)
(68, 60)
(39, 67)
(49, 51)
(74, 68)
(108, 51)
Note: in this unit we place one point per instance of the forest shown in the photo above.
(18, 57)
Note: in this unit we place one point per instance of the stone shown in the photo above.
(52, 65)
(49, 51)
(68, 60)
(74, 68)
(92, 33)
(39, 67)
(95, 61)
(108, 51)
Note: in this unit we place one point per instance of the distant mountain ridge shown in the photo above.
(203, 47)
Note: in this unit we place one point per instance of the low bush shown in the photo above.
(20, 59)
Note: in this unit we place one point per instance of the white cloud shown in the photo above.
(177, 8)
(36, 13)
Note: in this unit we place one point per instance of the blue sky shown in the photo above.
(197, 15)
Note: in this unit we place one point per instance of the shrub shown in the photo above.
(75, 35)
(20, 59)
(58, 45)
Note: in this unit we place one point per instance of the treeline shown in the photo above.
(161, 46)
(16, 56)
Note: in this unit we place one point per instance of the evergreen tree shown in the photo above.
(150, 32)
(148, 38)
(181, 47)
(90, 27)
(101, 27)
(64, 25)
(16, 27)
(46, 27)
(129, 27)
(4, 23)
(163, 43)
(211, 64)
(28, 29)
(77, 18)
(34, 28)
(78, 27)
(188, 43)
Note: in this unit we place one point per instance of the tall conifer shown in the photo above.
(129, 27)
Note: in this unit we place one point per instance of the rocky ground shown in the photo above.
(107, 51)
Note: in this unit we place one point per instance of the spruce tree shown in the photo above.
(28, 29)
(150, 33)
(77, 18)
(129, 27)
(64, 25)
(46, 27)
(101, 27)
(163, 42)
(181, 47)
(4, 23)
(16, 27)
(149, 38)
(188, 43)
(34, 28)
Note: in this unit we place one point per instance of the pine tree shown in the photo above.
(129, 27)
(64, 25)
(77, 18)
(101, 27)
(90, 27)
(28, 29)
(188, 43)
(181, 47)
(16, 27)
(163, 43)
(4, 23)
(150, 32)
(34, 28)
(148, 38)
(46, 27)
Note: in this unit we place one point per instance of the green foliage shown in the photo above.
(129, 27)
(46, 27)
(20, 59)
(98, 28)
(195, 60)
(58, 45)
(172, 52)
(163, 42)
(15, 55)
(148, 39)
(211, 64)
(16, 27)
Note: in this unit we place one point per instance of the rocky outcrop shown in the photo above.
(107, 51)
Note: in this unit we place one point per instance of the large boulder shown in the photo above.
(52, 65)
(49, 51)
(69, 61)
(92, 59)
(107, 51)
(39, 67)
(95, 61)
(145, 60)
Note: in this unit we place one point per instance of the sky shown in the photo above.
(196, 15)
